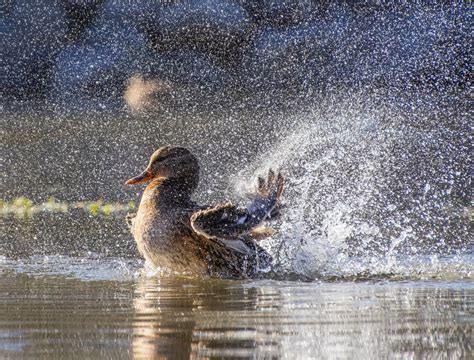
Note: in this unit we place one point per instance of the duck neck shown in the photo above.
(172, 191)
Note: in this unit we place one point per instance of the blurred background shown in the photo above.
(114, 55)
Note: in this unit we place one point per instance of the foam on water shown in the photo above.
(94, 268)
(89, 268)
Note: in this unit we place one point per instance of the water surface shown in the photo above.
(61, 307)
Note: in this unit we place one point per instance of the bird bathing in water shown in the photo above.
(173, 232)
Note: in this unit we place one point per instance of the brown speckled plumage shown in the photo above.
(172, 232)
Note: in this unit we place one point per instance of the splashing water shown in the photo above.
(361, 197)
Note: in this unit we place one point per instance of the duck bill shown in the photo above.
(143, 177)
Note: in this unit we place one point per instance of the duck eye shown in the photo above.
(159, 159)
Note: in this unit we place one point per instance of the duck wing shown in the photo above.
(231, 222)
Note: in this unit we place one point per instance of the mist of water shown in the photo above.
(370, 191)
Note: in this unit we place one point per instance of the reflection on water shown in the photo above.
(318, 320)
(93, 311)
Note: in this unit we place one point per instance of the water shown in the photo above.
(63, 307)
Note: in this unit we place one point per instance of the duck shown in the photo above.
(173, 232)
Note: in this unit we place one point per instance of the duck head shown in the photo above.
(170, 163)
